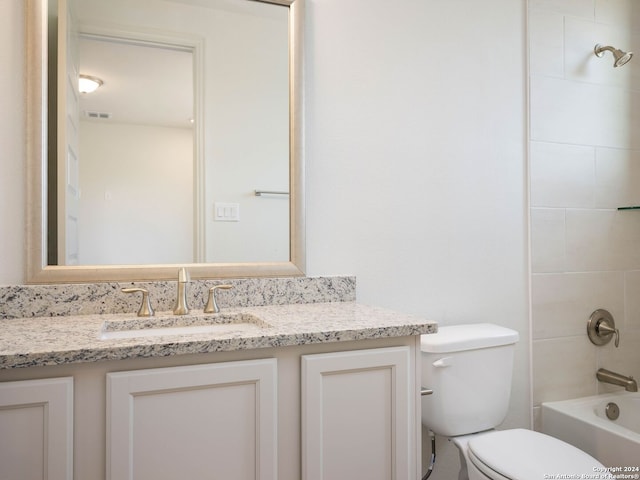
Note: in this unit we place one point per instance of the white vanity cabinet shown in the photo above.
(36, 429)
(203, 421)
(355, 417)
(336, 410)
(359, 415)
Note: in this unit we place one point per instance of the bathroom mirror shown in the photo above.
(43, 267)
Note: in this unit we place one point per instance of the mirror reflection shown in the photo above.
(160, 164)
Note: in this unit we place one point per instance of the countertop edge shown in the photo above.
(301, 325)
(170, 349)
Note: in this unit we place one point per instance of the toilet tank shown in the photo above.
(469, 369)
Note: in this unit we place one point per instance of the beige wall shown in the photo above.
(585, 162)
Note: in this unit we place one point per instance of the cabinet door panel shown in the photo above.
(207, 422)
(357, 415)
(36, 429)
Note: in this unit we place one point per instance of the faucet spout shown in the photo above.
(607, 376)
(181, 307)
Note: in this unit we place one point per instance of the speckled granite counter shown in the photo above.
(18, 301)
(28, 342)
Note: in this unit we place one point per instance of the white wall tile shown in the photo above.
(619, 12)
(632, 301)
(580, 60)
(602, 240)
(563, 368)
(562, 303)
(562, 175)
(562, 111)
(626, 240)
(546, 43)
(547, 240)
(594, 108)
(617, 178)
(589, 240)
(577, 8)
(584, 114)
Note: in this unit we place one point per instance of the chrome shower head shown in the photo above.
(620, 58)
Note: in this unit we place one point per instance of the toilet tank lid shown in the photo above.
(456, 338)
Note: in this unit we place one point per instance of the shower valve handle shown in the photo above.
(601, 327)
(604, 328)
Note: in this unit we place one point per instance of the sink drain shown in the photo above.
(612, 410)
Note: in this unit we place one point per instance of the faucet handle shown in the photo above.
(212, 304)
(604, 328)
(145, 307)
(601, 326)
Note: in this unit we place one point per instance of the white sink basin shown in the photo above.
(168, 324)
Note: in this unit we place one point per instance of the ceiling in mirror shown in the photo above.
(146, 84)
(161, 163)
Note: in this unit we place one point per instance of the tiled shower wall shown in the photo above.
(584, 164)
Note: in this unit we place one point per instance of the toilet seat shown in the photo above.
(486, 471)
(520, 454)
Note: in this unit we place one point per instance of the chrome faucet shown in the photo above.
(181, 307)
(607, 376)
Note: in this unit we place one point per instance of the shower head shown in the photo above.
(620, 58)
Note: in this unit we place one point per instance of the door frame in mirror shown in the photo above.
(37, 270)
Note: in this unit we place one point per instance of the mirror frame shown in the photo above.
(37, 270)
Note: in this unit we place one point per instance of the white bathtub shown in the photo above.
(583, 422)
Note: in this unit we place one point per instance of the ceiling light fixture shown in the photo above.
(88, 84)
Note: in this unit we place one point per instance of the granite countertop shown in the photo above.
(41, 341)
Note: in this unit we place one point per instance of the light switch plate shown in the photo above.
(226, 212)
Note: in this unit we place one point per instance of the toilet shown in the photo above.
(469, 369)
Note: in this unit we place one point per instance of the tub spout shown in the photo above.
(607, 376)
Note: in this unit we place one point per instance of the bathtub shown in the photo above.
(583, 423)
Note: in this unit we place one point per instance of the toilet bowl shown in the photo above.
(469, 369)
(520, 454)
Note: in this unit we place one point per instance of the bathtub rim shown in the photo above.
(583, 409)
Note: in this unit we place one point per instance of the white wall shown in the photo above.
(416, 162)
(136, 203)
(585, 162)
(415, 143)
(12, 143)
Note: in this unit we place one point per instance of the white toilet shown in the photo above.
(469, 369)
